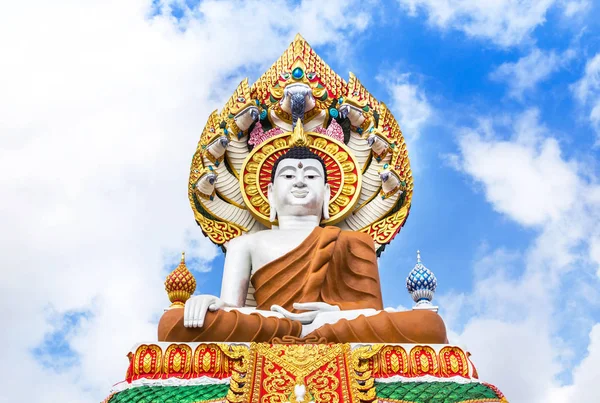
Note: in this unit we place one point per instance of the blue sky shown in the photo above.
(104, 104)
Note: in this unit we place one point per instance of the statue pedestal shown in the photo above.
(260, 372)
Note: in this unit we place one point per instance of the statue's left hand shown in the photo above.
(314, 309)
(196, 308)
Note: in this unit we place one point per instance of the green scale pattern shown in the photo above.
(415, 392)
(434, 392)
(171, 394)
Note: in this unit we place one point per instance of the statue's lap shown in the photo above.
(232, 326)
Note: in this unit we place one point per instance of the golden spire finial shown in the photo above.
(298, 137)
(180, 284)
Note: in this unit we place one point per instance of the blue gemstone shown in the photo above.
(263, 115)
(333, 113)
(297, 73)
(359, 130)
(217, 163)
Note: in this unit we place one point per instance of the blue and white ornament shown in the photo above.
(421, 283)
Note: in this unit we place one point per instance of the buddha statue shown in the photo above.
(299, 279)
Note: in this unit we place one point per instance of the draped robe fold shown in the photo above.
(332, 266)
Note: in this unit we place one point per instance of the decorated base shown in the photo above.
(281, 373)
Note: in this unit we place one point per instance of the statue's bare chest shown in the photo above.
(270, 245)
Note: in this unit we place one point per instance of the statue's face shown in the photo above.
(299, 188)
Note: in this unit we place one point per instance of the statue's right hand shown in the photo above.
(196, 308)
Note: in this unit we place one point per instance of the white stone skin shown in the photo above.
(297, 199)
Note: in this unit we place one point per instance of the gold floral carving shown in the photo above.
(325, 370)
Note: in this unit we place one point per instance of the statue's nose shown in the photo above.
(300, 182)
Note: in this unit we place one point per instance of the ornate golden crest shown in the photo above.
(300, 100)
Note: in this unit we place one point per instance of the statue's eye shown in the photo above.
(285, 76)
(241, 99)
(311, 176)
(311, 75)
(289, 176)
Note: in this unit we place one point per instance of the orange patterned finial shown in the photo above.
(180, 284)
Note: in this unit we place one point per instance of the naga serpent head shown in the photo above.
(205, 185)
(378, 143)
(390, 180)
(241, 110)
(355, 105)
(297, 91)
(216, 147)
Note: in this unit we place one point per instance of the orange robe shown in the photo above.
(332, 266)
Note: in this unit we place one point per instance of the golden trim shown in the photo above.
(387, 195)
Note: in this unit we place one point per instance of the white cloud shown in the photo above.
(575, 7)
(524, 176)
(101, 111)
(585, 377)
(409, 105)
(503, 22)
(587, 92)
(524, 74)
(528, 309)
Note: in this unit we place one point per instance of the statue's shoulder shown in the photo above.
(247, 240)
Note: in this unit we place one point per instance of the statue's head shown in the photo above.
(299, 185)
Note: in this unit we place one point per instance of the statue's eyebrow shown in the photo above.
(286, 168)
(312, 168)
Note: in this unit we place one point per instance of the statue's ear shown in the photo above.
(271, 198)
(326, 202)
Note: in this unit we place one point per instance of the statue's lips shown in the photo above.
(300, 193)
